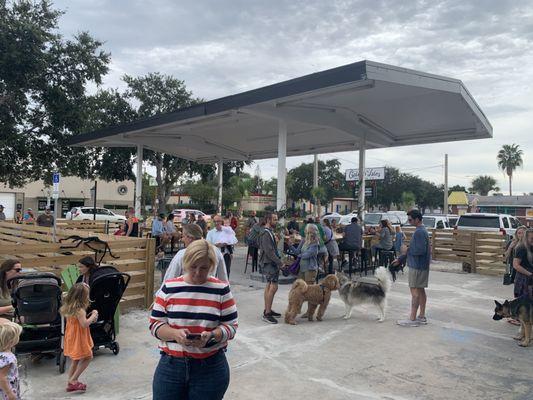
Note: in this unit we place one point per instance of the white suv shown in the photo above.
(86, 213)
(436, 221)
(504, 223)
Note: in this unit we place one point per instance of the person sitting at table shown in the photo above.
(202, 224)
(172, 233)
(385, 234)
(352, 238)
(132, 223)
(87, 266)
(9, 269)
(224, 238)
(158, 232)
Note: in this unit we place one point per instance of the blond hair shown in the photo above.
(311, 235)
(199, 251)
(9, 335)
(76, 299)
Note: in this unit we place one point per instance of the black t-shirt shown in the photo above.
(521, 253)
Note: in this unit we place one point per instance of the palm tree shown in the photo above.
(510, 158)
(483, 184)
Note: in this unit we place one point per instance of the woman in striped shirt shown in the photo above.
(193, 316)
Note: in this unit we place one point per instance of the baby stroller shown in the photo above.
(37, 299)
(107, 287)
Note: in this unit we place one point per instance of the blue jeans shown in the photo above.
(190, 379)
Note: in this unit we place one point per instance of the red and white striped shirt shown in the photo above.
(197, 308)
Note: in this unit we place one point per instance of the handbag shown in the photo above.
(294, 268)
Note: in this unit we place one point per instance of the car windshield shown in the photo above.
(372, 219)
(428, 221)
(479, 221)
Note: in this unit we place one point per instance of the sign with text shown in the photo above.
(371, 174)
(55, 181)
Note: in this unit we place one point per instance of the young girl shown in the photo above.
(78, 342)
(9, 372)
(399, 238)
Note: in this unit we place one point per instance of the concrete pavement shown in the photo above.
(461, 353)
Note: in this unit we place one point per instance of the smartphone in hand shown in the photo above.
(193, 336)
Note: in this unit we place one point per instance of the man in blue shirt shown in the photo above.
(418, 259)
(158, 232)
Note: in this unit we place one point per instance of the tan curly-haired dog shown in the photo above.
(315, 295)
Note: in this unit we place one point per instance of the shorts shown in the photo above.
(271, 272)
(418, 278)
(308, 276)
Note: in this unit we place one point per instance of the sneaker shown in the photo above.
(275, 314)
(422, 320)
(269, 318)
(408, 323)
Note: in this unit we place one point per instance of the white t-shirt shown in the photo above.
(175, 267)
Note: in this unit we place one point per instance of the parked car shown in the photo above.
(402, 215)
(452, 219)
(372, 219)
(333, 216)
(504, 223)
(436, 221)
(86, 213)
(181, 213)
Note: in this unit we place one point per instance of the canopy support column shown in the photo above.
(220, 182)
(281, 198)
(361, 196)
(139, 181)
(315, 184)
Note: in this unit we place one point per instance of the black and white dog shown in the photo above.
(365, 290)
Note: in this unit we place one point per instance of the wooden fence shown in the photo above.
(484, 252)
(34, 247)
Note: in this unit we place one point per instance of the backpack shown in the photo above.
(253, 236)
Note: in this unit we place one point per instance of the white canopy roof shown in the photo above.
(324, 112)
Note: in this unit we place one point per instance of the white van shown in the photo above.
(504, 223)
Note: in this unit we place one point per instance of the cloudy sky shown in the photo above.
(224, 47)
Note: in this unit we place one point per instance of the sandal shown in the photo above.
(75, 387)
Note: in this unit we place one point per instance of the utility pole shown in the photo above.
(445, 184)
(94, 199)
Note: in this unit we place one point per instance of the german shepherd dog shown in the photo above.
(371, 290)
(520, 309)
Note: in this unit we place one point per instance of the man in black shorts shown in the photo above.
(269, 264)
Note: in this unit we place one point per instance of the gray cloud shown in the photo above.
(220, 48)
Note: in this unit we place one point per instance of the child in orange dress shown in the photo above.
(78, 344)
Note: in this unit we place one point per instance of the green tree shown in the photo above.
(457, 188)
(483, 184)
(202, 194)
(43, 97)
(509, 159)
(408, 200)
(154, 94)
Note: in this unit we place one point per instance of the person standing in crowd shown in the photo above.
(132, 223)
(252, 220)
(29, 217)
(18, 217)
(202, 224)
(307, 252)
(192, 232)
(418, 260)
(9, 372)
(269, 264)
(224, 238)
(2, 215)
(9, 269)
(331, 244)
(293, 226)
(233, 221)
(523, 264)
(510, 254)
(193, 337)
(172, 233)
(399, 238)
(192, 218)
(46, 219)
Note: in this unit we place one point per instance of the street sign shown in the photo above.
(55, 177)
(371, 174)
